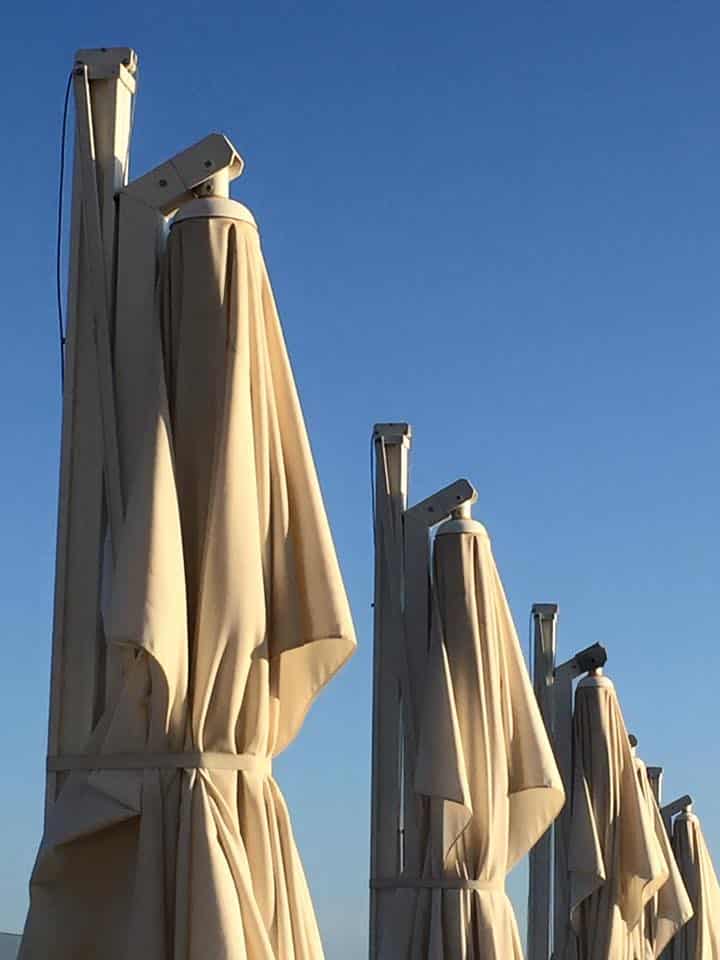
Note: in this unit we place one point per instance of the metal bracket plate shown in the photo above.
(169, 185)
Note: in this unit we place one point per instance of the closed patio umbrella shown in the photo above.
(670, 908)
(170, 838)
(484, 760)
(700, 938)
(616, 863)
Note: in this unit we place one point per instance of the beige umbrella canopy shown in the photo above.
(616, 863)
(670, 908)
(700, 938)
(484, 760)
(228, 615)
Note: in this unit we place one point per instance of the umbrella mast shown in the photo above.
(401, 642)
(116, 236)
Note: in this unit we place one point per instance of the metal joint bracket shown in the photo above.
(591, 658)
(107, 63)
(393, 432)
(180, 179)
(440, 505)
(669, 810)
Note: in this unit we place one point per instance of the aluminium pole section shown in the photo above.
(78, 649)
(391, 446)
(544, 619)
(655, 777)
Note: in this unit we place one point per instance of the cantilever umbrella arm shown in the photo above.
(670, 810)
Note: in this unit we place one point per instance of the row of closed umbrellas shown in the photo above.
(170, 837)
(490, 787)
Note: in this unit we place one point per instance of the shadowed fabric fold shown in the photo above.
(616, 863)
(484, 761)
(699, 939)
(228, 616)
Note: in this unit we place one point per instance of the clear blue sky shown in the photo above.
(499, 224)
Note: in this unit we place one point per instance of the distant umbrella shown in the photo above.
(484, 760)
(700, 938)
(670, 908)
(616, 863)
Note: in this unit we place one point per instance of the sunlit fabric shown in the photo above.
(228, 615)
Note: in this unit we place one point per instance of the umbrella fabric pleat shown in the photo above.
(484, 760)
(699, 939)
(228, 601)
(616, 863)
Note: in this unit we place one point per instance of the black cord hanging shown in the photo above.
(58, 251)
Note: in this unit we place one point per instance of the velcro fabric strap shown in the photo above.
(441, 883)
(193, 760)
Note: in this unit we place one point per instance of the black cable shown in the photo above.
(58, 258)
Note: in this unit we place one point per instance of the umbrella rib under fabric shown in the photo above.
(170, 838)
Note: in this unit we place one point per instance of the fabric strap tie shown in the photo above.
(442, 883)
(193, 760)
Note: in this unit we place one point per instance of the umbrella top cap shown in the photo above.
(462, 525)
(214, 207)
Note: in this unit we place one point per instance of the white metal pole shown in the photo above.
(391, 447)
(77, 676)
(544, 617)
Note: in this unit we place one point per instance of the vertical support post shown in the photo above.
(544, 618)
(391, 445)
(655, 775)
(77, 676)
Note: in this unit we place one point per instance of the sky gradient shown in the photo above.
(498, 224)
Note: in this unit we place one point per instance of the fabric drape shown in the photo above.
(700, 938)
(670, 908)
(616, 863)
(484, 761)
(228, 615)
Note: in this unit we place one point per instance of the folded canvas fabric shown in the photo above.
(700, 938)
(616, 862)
(228, 615)
(670, 908)
(484, 761)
